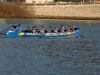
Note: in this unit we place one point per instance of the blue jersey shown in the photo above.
(18, 29)
(61, 29)
(49, 31)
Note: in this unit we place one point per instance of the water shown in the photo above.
(56, 56)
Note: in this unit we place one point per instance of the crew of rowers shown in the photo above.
(49, 30)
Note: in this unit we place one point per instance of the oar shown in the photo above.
(81, 35)
(2, 33)
(4, 30)
(52, 35)
(41, 34)
(77, 32)
(45, 35)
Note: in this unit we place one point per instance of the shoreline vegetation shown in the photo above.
(14, 11)
(20, 11)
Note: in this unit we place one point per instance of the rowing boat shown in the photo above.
(28, 34)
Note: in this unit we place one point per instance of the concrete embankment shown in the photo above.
(67, 11)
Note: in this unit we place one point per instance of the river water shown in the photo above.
(56, 56)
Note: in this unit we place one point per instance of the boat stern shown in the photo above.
(13, 34)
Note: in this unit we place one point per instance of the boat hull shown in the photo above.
(27, 34)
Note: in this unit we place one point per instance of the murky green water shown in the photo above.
(56, 56)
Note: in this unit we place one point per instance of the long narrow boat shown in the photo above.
(28, 34)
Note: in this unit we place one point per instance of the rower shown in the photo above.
(68, 29)
(34, 29)
(72, 28)
(42, 29)
(55, 30)
(61, 29)
(49, 30)
(26, 29)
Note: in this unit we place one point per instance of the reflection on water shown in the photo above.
(55, 56)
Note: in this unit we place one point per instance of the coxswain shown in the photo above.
(17, 28)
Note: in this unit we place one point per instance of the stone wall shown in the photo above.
(67, 10)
